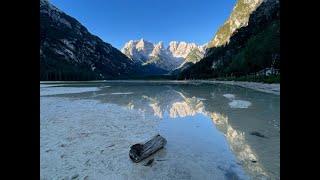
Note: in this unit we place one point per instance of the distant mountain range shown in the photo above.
(68, 51)
(167, 58)
(248, 42)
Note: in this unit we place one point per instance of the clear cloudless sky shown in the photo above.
(118, 21)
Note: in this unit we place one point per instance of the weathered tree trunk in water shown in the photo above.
(138, 152)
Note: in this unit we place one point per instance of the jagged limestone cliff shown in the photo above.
(251, 48)
(238, 18)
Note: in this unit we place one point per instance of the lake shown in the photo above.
(213, 131)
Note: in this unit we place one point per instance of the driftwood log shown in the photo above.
(138, 152)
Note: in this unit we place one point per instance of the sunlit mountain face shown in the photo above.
(198, 120)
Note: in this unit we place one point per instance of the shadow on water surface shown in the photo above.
(200, 113)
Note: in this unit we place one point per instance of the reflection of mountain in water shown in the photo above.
(238, 145)
(186, 107)
(173, 101)
(154, 104)
(236, 139)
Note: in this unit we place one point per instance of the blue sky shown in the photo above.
(118, 21)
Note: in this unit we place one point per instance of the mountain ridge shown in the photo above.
(238, 18)
(167, 58)
(251, 49)
(68, 51)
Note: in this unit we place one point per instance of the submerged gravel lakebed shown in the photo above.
(213, 131)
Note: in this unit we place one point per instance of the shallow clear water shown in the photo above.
(215, 127)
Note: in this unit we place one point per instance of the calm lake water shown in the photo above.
(213, 130)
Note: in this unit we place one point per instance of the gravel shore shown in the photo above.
(263, 87)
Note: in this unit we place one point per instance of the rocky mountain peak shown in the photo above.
(182, 49)
(158, 49)
(168, 58)
(238, 18)
(68, 51)
(144, 46)
(250, 49)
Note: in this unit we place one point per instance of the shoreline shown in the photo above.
(258, 86)
(80, 136)
(262, 87)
